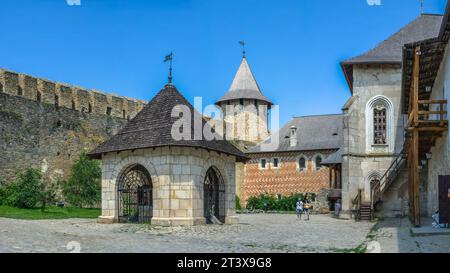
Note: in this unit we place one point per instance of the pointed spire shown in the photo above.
(244, 79)
(244, 86)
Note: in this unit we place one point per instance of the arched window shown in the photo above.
(19, 91)
(38, 96)
(379, 124)
(73, 105)
(318, 162)
(302, 164)
(90, 108)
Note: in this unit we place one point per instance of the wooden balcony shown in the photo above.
(427, 121)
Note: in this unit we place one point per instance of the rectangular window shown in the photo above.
(379, 126)
(108, 111)
(263, 163)
(276, 162)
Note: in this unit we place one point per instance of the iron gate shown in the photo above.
(214, 195)
(135, 195)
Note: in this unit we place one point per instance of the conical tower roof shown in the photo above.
(152, 127)
(244, 86)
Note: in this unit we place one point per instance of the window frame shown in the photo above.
(260, 164)
(379, 102)
(299, 167)
(315, 162)
(272, 161)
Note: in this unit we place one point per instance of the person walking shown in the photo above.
(299, 207)
(307, 208)
(337, 208)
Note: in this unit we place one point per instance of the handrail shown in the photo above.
(357, 201)
(379, 186)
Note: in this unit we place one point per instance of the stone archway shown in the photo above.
(135, 195)
(214, 196)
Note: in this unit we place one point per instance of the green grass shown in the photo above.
(49, 213)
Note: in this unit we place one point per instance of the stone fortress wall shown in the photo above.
(46, 125)
(64, 95)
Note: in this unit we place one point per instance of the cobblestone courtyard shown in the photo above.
(255, 233)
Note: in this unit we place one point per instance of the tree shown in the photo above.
(26, 190)
(83, 188)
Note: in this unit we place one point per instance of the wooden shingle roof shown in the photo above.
(152, 127)
(244, 86)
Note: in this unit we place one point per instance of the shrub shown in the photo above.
(83, 188)
(26, 190)
(282, 203)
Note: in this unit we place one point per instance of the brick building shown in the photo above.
(296, 165)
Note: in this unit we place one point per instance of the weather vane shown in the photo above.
(169, 59)
(242, 43)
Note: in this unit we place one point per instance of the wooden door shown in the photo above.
(444, 199)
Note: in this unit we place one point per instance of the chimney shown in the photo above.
(293, 137)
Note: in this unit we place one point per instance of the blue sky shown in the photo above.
(293, 46)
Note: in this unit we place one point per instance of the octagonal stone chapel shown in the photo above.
(148, 176)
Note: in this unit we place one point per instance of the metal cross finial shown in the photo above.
(169, 59)
(242, 43)
(421, 7)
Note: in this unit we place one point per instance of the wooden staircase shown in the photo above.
(379, 187)
(365, 212)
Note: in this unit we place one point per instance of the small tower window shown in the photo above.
(1, 87)
(124, 114)
(56, 100)
(73, 105)
(38, 96)
(108, 111)
(90, 108)
(20, 91)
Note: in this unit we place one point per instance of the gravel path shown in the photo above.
(255, 233)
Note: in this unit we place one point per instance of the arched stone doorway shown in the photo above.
(135, 190)
(214, 196)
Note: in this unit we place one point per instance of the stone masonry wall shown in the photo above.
(47, 137)
(359, 165)
(72, 97)
(178, 175)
